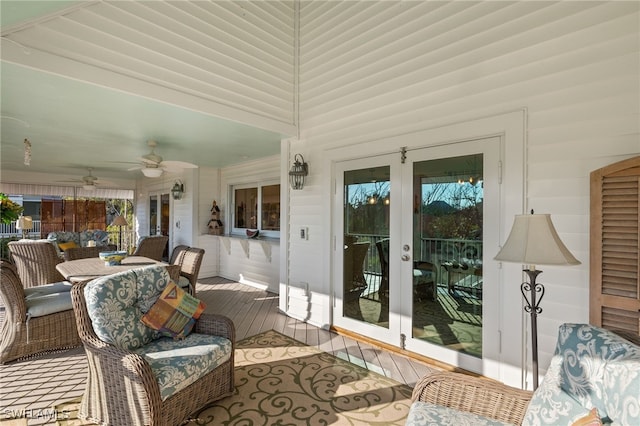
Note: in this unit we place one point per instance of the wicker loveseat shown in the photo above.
(78, 239)
(594, 375)
(136, 376)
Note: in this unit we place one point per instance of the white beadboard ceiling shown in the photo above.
(89, 82)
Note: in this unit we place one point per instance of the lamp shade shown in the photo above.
(24, 222)
(119, 221)
(533, 240)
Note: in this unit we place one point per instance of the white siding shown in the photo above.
(209, 191)
(370, 71)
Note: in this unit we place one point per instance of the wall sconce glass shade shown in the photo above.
(178, 190)
(298, 171)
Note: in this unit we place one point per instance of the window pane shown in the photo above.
(246, 208)
(271, 208)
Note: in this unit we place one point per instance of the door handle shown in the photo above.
(405, 257)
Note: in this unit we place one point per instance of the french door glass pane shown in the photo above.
(447, 277)
(153, 215)
(366, 237)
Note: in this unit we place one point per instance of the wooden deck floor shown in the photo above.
(34, 386)
(253, 311)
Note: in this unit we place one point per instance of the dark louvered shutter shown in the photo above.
(615, 255)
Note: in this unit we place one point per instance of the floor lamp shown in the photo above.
(119, 221)
(534, 241)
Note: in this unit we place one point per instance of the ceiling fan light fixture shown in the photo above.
(88, 187)
(152, 172)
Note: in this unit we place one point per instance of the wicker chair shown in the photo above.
(36, 262)
(178, 254)
(152, 247)
(121, 388)
(87, 252)
(476, 395)
(190, 267)
(24, 337)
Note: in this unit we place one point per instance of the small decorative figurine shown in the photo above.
(215, 224)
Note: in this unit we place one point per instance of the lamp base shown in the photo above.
(529, 292)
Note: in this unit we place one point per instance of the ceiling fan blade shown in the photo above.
(138, 167)
(177, 165)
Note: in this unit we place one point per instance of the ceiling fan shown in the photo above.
(153, 165)
(89, 182)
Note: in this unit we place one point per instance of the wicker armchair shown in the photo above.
(22, 336)
(190, 267)
(36, 262)
(87, 252)
(152, 247)
(121, 387)
(475, 395)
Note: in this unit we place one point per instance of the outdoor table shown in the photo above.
(94, 267)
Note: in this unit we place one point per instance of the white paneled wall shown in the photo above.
(209, 191)
(228, 58)
(372, 71)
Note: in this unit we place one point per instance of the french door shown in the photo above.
(159, 219)
(411, 268)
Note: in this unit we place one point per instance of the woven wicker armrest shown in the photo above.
(216, 325)
(475, 395)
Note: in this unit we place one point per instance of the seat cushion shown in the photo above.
(424, 413)
(48, 304)
(41, 290)
(116, 304)
(177, 364)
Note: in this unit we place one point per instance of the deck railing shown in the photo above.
(9, 231)
(441, 252)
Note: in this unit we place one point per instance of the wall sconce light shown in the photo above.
(298, 171)
(178, 190)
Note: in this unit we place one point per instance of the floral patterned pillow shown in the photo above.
(116, 304)
(602, 370)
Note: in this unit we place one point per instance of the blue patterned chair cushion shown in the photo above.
(602, 370)
(80, 238)
(591, 368)
(550, 405)
(100, 237)
(424, 413)
(178, 363)
(116, 303)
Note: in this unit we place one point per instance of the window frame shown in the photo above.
(232, 207)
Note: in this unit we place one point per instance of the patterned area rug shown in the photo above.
(281, 381)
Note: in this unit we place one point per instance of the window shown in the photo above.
(257, 207)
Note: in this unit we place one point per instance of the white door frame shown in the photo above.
(511, 127)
